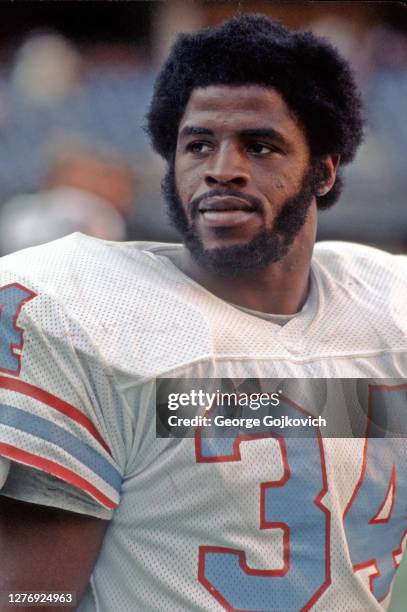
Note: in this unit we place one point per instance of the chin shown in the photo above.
(219, 238)
(240, 257)
(220, 246)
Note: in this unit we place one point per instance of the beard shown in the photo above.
(269, 245)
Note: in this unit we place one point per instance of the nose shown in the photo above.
(228, 168)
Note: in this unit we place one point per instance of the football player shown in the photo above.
(255, 123)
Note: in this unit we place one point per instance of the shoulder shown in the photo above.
(336, 251)
(76, 285)
(363, 289)
(375, 269)
(123, 302)
(84, 274)
(77, 259)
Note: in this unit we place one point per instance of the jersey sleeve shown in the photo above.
(4, 470)
(60, 411)
(28, 484)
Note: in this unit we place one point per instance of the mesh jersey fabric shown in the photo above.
(100, 322)
(278, 319)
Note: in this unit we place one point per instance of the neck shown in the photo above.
(281, 288)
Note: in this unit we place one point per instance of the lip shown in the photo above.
(225, 204)
(226, 218)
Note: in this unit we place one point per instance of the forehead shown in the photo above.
(229, 106)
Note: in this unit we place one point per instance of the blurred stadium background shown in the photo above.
(75, 81)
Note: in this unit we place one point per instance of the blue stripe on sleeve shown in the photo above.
(46, 430)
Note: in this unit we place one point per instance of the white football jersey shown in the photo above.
(247, 523)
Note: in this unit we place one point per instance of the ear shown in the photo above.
(328, 167)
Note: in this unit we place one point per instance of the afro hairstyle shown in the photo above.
(315, 82)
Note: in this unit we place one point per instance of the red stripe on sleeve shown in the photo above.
(46, 465)
(54, 402)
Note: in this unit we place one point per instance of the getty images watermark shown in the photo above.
(284, 407)
(251, 401)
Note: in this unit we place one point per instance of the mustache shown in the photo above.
(255, 203)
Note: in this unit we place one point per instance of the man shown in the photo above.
(255, 122)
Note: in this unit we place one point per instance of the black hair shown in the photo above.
(315, 82)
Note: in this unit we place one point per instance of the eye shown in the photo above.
(199, 146)
(259, 148)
